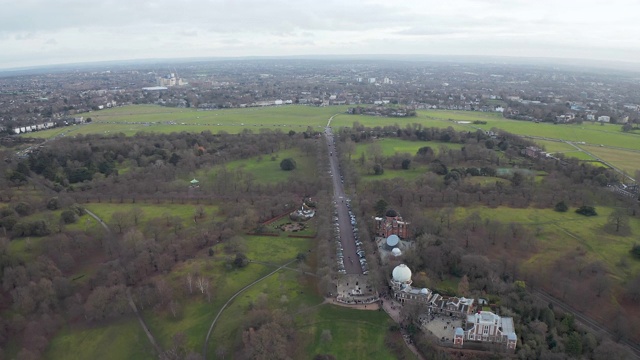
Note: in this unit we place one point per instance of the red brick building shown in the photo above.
(391, 224)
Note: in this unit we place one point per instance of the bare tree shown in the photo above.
(199, 212)
(136, 215)
(207, 290)
(173, 307)
(202, 284)
(619, 221)
(120, 220)
(601, 284)
(190, 282)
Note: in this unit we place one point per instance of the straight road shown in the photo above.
(347, 238)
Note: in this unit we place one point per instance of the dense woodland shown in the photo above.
(40, 293)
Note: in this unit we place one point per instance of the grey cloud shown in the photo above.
(92, 30)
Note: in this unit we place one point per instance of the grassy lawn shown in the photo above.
(266, 170)
(275, 249)
(410, 174)
(391, 146)
(124, 339)
(356, 334)
(283, 290)
(577, 154)
(196, 313)
(564, 232)
(153, 118)
(555, 146)
(423, 118)
(150, 211)
(609, 134)
(456, 115)
(628, 161)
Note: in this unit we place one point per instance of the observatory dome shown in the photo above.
(401, 273)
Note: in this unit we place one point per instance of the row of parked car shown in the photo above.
(359, 250)
(339, 249)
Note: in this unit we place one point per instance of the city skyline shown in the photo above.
(37, 33)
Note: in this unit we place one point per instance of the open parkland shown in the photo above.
(354, 334)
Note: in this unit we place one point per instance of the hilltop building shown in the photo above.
(436, 303)
(391, 224)
(486, 326)
(483, 326)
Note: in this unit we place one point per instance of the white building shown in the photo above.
(604, 119)
(486, 326)
(435, 303)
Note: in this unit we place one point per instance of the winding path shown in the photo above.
(104, 225)
(213, 323)
(132, 304)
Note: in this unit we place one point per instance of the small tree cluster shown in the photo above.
(586, 210)
(288, 164)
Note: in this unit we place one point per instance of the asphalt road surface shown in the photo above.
(351, 259)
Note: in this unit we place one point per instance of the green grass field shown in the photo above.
(284, 290)
(152, 118)
(624, 160)
(197, 313)
(346, 120)
(555, 146)
(564, 232)
(149, 211)
(356, 334)
(392, 146)
(123, 339)
(265, 170)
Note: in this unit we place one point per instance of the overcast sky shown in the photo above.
(41, 32)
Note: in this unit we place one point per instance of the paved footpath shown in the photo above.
(213, 323)
(393, 309)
